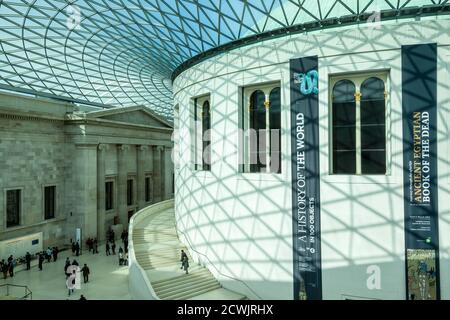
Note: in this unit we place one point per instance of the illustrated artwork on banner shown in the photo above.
(422, 274)
(309, 82)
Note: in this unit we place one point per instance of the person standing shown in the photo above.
(11, 263)
(67, 265)
(49, 254)
(120, 258)
(28, 260)
(77, 248)
(41, 261)
(122, 236)
(107, 248)
(86, 273)
(55, 252)
(5, 269)
(95, 246)
(73, 248)
(113, 247)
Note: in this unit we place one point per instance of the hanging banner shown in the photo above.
(305, 178)
(419, 73)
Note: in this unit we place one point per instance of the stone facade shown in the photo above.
(51, 143)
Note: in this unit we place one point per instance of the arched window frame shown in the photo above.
(358, 79)
(247, 93)
(200, 139)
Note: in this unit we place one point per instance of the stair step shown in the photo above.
(158, 250)
(183, 279)
(161, 292)
(192, 291)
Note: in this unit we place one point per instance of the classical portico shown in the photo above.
(100, 167)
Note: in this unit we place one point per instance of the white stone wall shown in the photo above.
(243, 222)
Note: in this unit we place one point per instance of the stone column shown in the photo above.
(168, 173)
(122, 175)
(140, 165)
(149, 163)
(157, 173)
(101, 195)
(84, 192)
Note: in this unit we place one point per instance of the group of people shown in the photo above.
(76, 248)
(8, 267)
(92, 245)
(111, 246)
(68, 272)
(47, 254)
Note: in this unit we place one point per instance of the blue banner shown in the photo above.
(419, 83)
(305, 178)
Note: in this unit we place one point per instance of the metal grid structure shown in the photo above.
(122, 53)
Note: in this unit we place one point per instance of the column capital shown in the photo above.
(142, 148)
(123, 147)
(103, 147)
(159, 148)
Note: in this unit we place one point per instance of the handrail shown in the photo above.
(132, 261)
(28, 292)
(218, 271)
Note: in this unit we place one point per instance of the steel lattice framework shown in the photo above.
(121, 53)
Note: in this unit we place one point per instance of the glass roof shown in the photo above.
(123, 53)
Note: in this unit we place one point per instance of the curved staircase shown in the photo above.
(157, 250)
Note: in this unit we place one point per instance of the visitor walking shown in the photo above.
(66, 266)
(107, 249)
(186, 264)
(183, 255)
(71, 286)
(41, 261)
(86, 273)
(113, 247)
(73, 248)
(28, 260)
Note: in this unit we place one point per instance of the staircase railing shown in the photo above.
(212, 264)
(28, 295)
(138, 281)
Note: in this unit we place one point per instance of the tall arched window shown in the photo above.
(373, 126)
(202, 133)
(359, 124)
(344, 127)
(258, 125)
(206, 136)
(275, 130)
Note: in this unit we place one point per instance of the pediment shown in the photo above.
(133, 115)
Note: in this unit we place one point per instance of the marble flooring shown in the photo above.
(107, 281)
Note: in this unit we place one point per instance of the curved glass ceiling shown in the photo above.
(123, 53)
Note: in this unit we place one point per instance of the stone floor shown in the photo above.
(108, 280)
